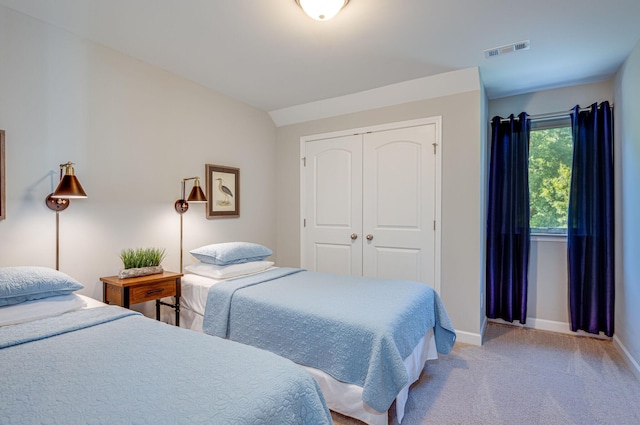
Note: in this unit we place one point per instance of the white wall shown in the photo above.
(627, 159)
(134, 132)
(548, 302)
(462, 208)
(484, 145)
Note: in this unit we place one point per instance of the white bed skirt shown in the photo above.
(341, 397)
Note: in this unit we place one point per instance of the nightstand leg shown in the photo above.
(177, 311)
(157, 309)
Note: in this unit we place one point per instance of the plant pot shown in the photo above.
(141, 271)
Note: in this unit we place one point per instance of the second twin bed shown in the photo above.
(365, 340)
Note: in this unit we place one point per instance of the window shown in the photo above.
(550, 158)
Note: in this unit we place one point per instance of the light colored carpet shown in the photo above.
(524, 376)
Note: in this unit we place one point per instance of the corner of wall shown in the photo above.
(626, 89)
(470, 337)
(628, 358)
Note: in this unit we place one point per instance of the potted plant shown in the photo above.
(141, 262)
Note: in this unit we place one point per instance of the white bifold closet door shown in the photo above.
(369, 204)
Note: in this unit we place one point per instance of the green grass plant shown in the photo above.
(142, 257)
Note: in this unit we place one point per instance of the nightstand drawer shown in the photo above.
(153, 291)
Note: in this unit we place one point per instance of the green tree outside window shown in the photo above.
(550, 158)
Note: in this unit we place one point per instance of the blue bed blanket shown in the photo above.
(358, 330)
(108, 365)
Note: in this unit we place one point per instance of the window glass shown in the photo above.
(550, 157)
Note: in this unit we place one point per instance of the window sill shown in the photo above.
(547, 237)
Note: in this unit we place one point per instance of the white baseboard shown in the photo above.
(548, 325)
(540, 324)
(633, 364)
(559, 327)
(468, 338)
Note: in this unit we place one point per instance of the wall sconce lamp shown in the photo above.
(322, 10)
(68, 188)
(182, 205)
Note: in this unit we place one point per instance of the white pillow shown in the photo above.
(226, 272)
(224, 254)
(39, 309)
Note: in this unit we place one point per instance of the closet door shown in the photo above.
(399, 204)
(369, 202)
(333, 205)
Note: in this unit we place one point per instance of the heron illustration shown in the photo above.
(225, 191)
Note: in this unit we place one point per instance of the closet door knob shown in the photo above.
(354, 236)
(369, 237)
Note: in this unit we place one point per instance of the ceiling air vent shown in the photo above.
(508, 48)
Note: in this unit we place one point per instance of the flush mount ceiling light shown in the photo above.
(322, 10)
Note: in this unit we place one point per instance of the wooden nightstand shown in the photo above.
(133, 290)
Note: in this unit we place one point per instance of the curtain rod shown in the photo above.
(552, 115)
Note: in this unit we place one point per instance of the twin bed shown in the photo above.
(365, 340)
(361, 344)
(69, 359)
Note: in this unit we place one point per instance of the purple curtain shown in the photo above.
(508, 219)
(590, 241)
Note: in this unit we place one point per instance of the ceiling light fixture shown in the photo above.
(322, 10)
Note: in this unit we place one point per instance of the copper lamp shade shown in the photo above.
(68, 188)
(196, 195)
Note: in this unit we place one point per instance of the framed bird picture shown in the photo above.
(223, 191)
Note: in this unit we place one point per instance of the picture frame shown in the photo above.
(223, 191)
(3, 195)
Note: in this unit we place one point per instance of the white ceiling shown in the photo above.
(269, 54)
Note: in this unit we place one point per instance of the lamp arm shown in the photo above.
(183, 192)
